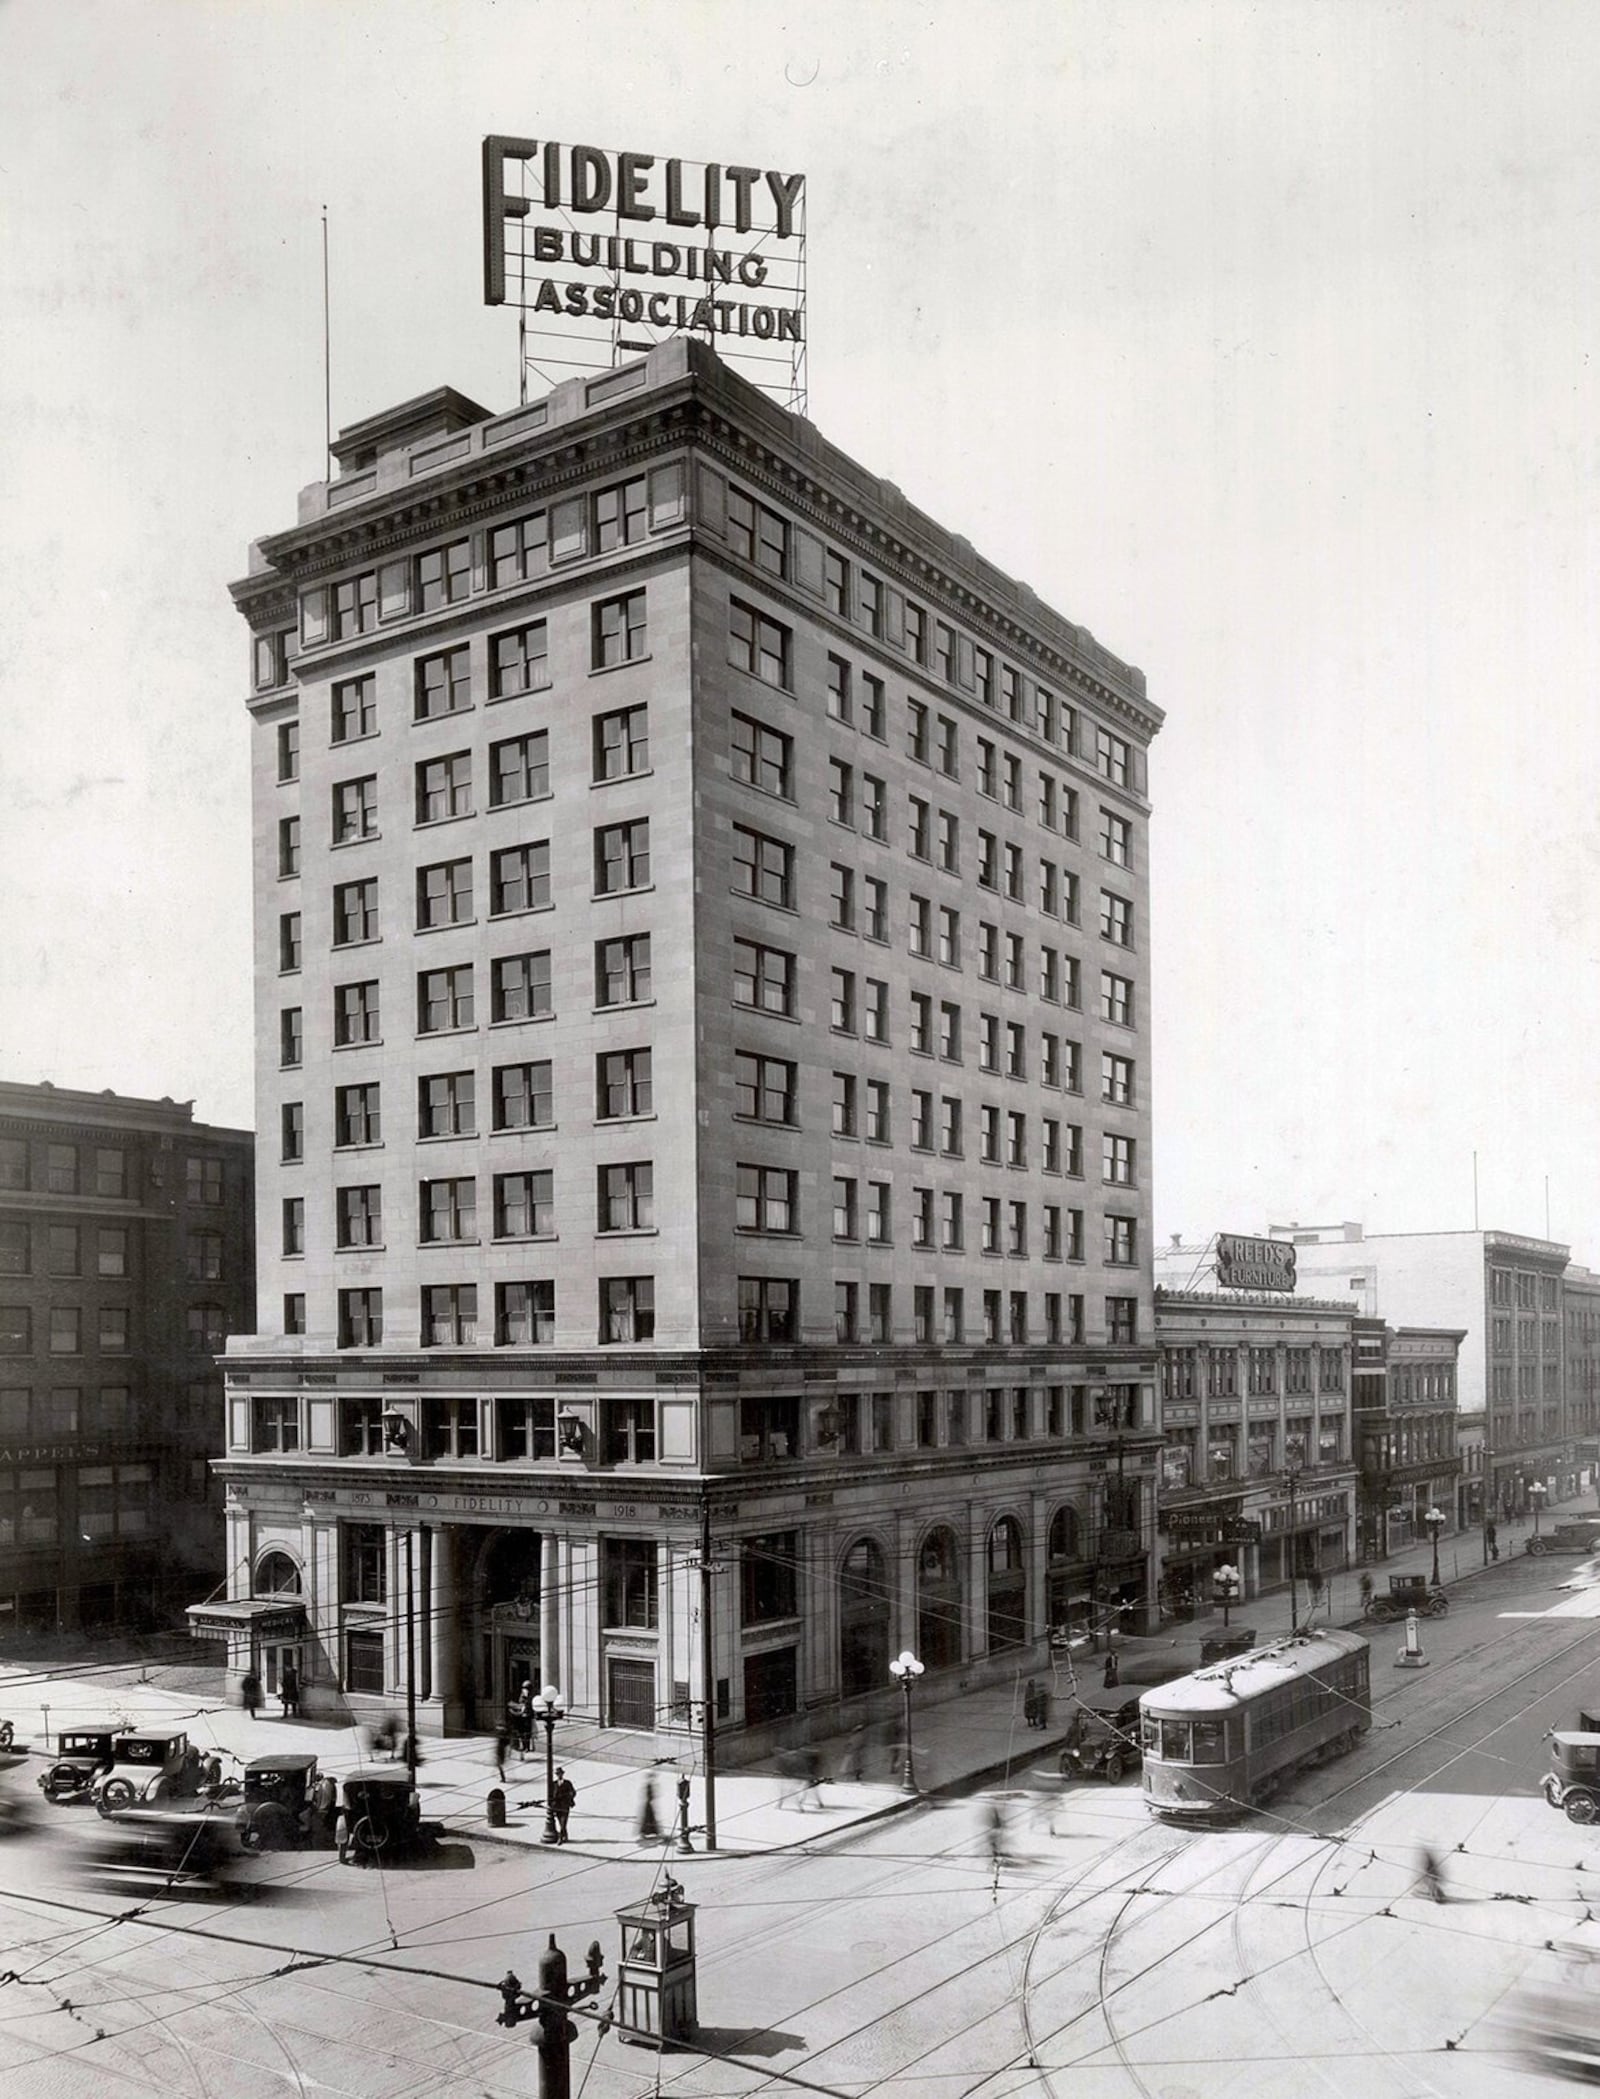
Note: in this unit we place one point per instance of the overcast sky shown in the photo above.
(1257, 338)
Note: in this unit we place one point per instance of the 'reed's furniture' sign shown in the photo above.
(1254, 1264)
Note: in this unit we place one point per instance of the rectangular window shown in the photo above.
(291, 1037)
(842, 897)
(288, 941)
(1116, 999)
(450, 1318)
(622, 743)
(292, 1132)
(355, 605)
(444, 894)
(769, 1310)
(874, 1009)
(622, 857)
(841, 792)
(519, 769)
(446, 1105)
(110, 1172)
(949, 842)
(519, 661)
(619, 515)
(524, 1204)
(443, 575)
(1111, 756)
(519, 878)
(874, 708)
(949, 1031)
(1120, 1242)
(288, 845)
(449, 1425)
(294, 1224)
(447, 1211)
(628, 1437)
(626, 1197)
(840, 705)
(764, 1199)
(877, 1213)
(761, 757)
(360, 1318)
(950, 1236)
(763, 867)
(1116, 838)
(916, 633)
(519, 987)
(444, 999)
(922, 1023)
(766, 1089)
(844, 1104)
(525, 1317)
(443, 685)
(520, 551)
(845, 1220)
(619, 631)
(354, 709)
(111, 1250)
(355, 1013)
(288, 751)
(66, 1330)
(274, 1422)
(763, 978)
(526, 1427)
(759, 645)
(523, 1099)
(627, 1308)
(358, 1216)
(622, 973)
(1122, 1319)
(842, 1002)
(623, 1085)
(355, 909)
(355, 809)
(1116, 1160)
(1116, 1079)
(836, 584)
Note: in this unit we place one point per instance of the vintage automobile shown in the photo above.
(380, 1816)
(1408, 1592)
(1102, 1740)
(288, 1804)
(175, 1850)
(1572, 1783)
(83, 1754)
(1581, 1535)
(148, 1764)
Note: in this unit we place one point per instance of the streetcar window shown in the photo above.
(1150, 1736)
(1210, 1742)
(1175, 1741)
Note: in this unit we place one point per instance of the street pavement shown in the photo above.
(975, 1739)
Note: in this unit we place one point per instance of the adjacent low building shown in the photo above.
(1257, 1471)
(1405, 1435)
(126, 1260)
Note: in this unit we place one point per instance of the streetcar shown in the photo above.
(1222, 1740)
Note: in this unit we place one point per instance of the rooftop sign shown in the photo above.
(1254, 1264)
(605, 253)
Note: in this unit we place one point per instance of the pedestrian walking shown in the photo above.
(808, 1769)
(1030, 1703)
(994, 1830)
(250, 1693)
(1041, 1707)
(1431, 1874)
(1491, 1538)
(502, 1742)
(649, 1826)
(853, 1761)
(1113, 1675)
(562, 1796)
(289, 1691)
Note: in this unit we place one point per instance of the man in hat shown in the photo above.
(562, 1796)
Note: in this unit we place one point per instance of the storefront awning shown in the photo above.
(267, 1617)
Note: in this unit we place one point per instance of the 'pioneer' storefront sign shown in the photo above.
(582, 239)
(1254, 1264)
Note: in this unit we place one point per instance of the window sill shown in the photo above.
(612, 1122)
(766, 903)
(340, 845)
(522, 1129)
(435, 823)
(630, 1231)
(526, 1238)
(625, 1005)
(448, 925)
(445, 714)
(375, 1145)
(341, 947)
(611, 896)
(791, 1020)
(520, 801)
(522, 1020)
(365, 1246)
(446, 1136)
(443, 1034)
(605, 670)
(376, 1042)
(516, 911)
(622, 779)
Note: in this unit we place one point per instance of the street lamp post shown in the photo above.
(1226, 1581)
(905, 1669)
(1536, 1494)
(547, 1710)
(1435, 1520)
(1292, 1542)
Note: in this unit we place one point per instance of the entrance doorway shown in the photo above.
(507, 1598)
(630, 1691)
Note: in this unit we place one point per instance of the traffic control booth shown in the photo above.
(656, 1969)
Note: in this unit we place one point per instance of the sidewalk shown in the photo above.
(977, 1738)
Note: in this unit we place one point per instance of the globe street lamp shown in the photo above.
(905, 1669)
(1536, 1494)
(547, 1710)
(1435, 1520)
(1226, 1581)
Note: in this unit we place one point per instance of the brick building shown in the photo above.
(126, 1259)
(773, 1158)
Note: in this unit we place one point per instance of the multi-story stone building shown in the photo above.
(772, 1161)
(1507, 1295)
(126, 1259)
(1256, 1464)
(1405, 1434)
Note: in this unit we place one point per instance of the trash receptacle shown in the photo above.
(656, 1973)
(497, 1808)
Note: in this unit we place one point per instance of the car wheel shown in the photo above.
(271, 1828)
(1114, 1768)
(115, 1793)
(1580, 1807)
(1536, 1548)
(369, 1837)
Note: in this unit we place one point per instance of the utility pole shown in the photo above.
(708, 1683)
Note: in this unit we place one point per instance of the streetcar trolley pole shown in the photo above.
(555, 1995)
